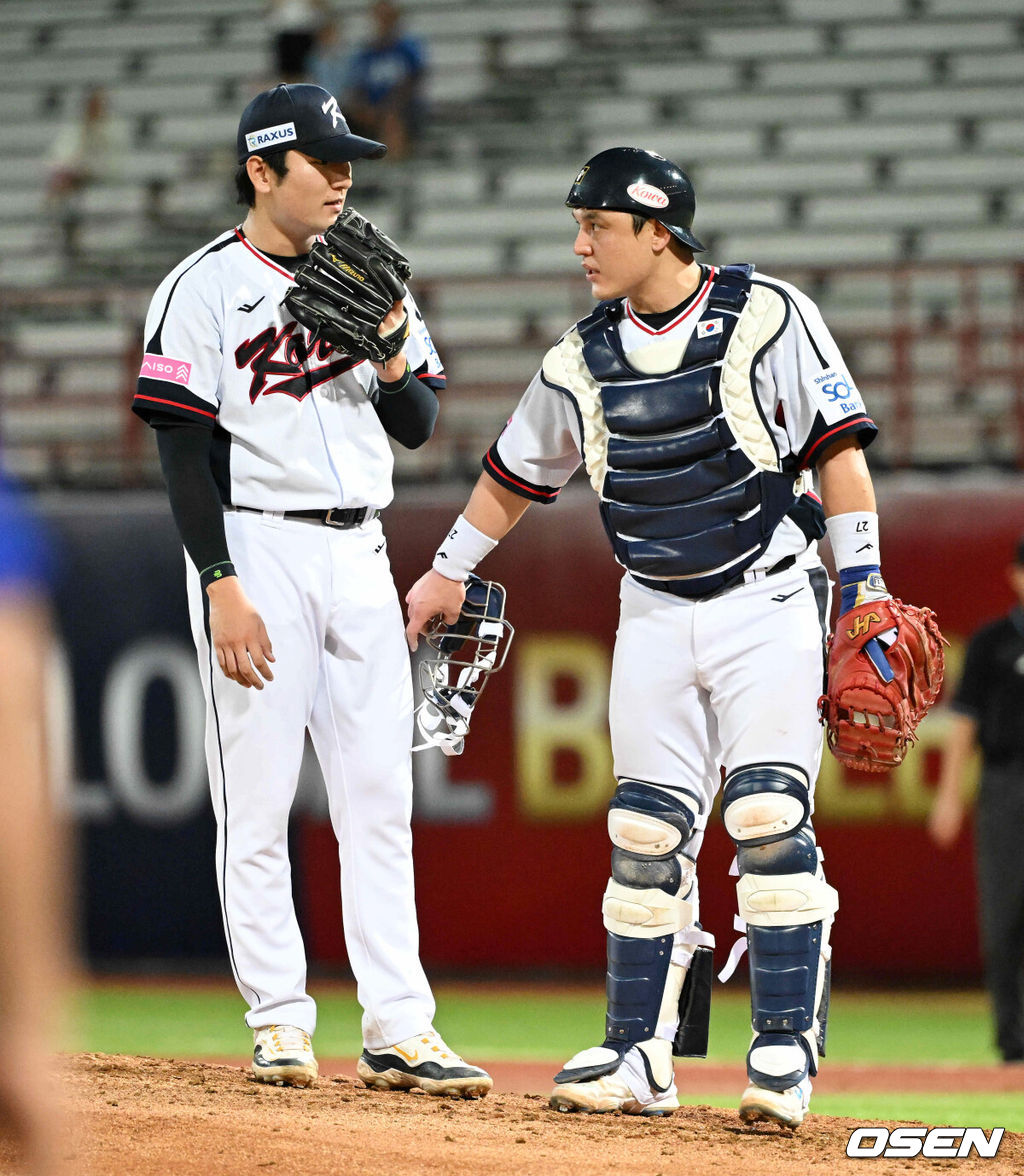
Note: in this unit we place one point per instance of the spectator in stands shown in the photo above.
(294, 25)
(90, 147)
(31, 882)
(987, 709)
(385, 99)
(329, 64)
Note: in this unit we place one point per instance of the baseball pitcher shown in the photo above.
(279, 360)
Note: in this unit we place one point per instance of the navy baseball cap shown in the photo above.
(306, 118)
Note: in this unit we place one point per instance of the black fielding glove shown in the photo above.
(348, 286)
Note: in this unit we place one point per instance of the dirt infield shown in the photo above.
(155, 1117)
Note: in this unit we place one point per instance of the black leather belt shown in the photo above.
(783, 565)
(754, 574)
(337, 516)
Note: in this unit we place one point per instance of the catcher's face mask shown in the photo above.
(460, 659)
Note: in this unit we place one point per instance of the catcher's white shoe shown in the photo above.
(283, 1056)
(627, 1088)
(426, 1062)
(788, 1107)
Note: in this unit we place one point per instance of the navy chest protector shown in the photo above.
(686, 509)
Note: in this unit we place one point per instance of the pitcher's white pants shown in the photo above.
(329, 603)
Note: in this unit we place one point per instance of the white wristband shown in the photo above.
(854, 539)
(463, 548)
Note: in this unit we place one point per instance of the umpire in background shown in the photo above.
(988, 711)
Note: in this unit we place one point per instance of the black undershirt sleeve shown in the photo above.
(184, 449)
(407, 409)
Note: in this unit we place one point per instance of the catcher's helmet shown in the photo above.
(630, 179)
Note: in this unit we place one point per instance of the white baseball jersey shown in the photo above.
(295, 430)
(806, 394)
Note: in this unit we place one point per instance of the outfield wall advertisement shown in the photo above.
(510, 842)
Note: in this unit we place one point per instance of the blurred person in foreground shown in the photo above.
(384, 98)
(31, 883)
(988, 716)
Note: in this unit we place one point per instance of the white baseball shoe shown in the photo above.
(283, 1056)
(426, 1062)
(788, 1107)
(628, 1087)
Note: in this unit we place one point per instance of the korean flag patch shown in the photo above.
(708, 327)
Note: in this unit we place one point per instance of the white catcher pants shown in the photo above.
(725, 682)
(329, 603)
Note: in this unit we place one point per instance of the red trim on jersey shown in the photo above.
(675, 322)
(176, 404)
(843, 427)
(522, 485)
(266, 260)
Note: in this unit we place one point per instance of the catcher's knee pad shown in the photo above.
(651, 876)
(645, 905)
(762, 803)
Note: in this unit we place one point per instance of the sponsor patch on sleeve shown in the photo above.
(834, 394)
(163, 367)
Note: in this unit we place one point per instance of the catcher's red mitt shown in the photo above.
(878, 691)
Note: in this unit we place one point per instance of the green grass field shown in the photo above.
(539, 1023)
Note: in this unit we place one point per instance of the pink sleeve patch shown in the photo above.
(162, 367)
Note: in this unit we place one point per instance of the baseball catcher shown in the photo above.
(464, 655)
(884, 673)
(706, 404)
(345, 290)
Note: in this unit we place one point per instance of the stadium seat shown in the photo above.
(826, 143)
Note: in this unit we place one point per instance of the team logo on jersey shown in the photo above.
(709, 327)
(648, 195)
(282, 361)
(270, 136)
(162, 367)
